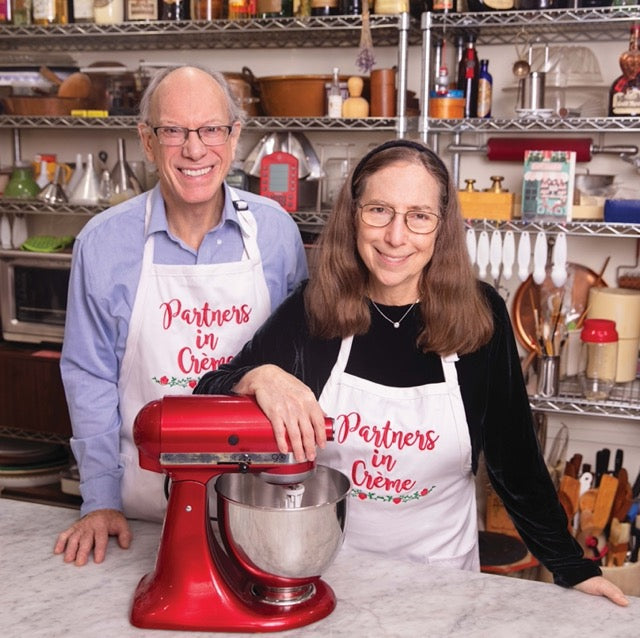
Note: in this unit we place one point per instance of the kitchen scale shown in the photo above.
(281, 522)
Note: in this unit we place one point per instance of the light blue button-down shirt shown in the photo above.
(106, 266)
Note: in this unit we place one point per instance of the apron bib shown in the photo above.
(407, 453)
(186, 320)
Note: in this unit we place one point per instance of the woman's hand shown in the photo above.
(92, 532)
(291, 407)
(600, 586)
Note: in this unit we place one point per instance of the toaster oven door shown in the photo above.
(33, 295)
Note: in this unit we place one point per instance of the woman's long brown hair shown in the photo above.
(456, 316)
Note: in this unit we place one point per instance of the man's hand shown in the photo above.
(92, 532)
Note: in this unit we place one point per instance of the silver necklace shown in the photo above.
(395, 324)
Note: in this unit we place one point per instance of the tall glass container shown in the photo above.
(598, 358)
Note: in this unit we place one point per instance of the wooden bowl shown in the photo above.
(294, 95)
(36, 105)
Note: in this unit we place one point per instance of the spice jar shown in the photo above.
(598, 358)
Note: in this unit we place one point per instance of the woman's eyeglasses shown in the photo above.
(422, 222)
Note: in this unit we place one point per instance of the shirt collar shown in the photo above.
(158, 222)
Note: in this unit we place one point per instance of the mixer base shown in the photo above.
(196, 587)
(153, 609)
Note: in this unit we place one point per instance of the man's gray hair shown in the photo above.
(236, 113)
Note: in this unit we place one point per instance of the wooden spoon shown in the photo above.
(623, 497)
(48, 74)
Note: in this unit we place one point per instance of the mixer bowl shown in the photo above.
(276, 546)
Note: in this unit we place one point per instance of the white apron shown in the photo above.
(407, 453)
(186, 320)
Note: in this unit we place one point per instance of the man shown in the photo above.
(163, 288)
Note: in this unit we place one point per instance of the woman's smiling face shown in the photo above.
(394, 255)
(192, 173)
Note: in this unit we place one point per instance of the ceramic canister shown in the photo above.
(622, 305)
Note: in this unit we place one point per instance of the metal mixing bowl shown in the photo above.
(282, 547)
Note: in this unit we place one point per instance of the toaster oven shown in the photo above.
(33, 295)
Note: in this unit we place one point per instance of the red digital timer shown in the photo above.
(279, 179)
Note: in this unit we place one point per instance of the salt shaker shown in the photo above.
(598, 358)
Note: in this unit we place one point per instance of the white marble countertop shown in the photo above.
(40, 596)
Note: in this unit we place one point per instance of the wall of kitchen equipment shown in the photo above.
(398, 40)
(613, 422)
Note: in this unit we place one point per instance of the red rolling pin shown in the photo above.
(511, 149)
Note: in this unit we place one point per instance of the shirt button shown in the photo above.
(219, 241)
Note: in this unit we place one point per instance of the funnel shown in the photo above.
(87, 190)
(53, 193)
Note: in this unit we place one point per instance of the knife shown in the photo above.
(602, 464)
(617, 464)
(635, 490)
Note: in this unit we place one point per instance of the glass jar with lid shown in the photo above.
(598, 358)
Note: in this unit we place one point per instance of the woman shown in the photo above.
(415, 359)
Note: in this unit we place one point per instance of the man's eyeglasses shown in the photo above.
(422, 222)
(178, 135)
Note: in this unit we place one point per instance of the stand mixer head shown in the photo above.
(281, 522)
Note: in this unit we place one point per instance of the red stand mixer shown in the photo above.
(281, 522)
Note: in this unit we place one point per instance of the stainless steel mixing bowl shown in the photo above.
(281, 547)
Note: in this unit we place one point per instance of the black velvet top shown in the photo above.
(493, 392)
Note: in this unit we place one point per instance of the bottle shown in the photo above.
(485, 90)
(241, 9)
(108, 11)
(274, 8)
(50, 12)
(82, 11)
(624, 95)
(21, 12)
(141, 10)
(324, 7)
(125, 183)
(459, 44)
(468, 73)
(206, 9)
(598, 358)
(441, 6)
(334, 99)
(6, 15)
(43, 176)
(350, 7)
(174, 9)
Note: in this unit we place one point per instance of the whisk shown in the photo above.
(630, 278)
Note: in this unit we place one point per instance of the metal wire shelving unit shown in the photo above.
(312, 32)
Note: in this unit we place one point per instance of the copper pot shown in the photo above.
(243, 89)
